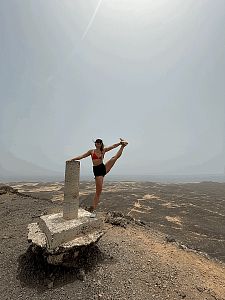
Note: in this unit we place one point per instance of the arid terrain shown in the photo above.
(165, 241)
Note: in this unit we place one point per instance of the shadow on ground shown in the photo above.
(34, 271)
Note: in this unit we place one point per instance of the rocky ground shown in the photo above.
(133, 259)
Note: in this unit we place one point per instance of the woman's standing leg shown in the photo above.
(98, 184)
(109, 164)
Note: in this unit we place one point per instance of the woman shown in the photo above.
(99, 168)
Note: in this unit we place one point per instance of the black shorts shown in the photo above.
(99, 170)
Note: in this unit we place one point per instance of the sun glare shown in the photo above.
(131, 8)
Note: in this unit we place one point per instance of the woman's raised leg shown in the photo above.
(110, 163)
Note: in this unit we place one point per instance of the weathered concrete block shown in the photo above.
(70, 211)
(63, 234)
(71, 190)
(36, 236)
(58, 230)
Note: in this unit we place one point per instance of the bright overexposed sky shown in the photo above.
(150, 71)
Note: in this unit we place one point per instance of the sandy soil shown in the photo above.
(136, 260)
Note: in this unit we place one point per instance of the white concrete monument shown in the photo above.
(71, 190)
(73, 227)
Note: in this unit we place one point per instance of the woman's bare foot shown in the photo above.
(123, 142)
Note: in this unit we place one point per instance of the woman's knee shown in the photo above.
(118, 154)
(98, 188)
(114, 158)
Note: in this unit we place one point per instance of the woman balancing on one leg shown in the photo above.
(99, 168)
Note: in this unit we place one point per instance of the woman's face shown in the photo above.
(98, 145)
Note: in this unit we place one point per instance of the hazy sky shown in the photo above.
(150, 71)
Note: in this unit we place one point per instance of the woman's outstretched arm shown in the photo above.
(86, 154)
(112, 147)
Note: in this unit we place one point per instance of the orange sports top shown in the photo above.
(94, 156)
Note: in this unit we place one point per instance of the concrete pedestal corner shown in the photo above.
(58, 230)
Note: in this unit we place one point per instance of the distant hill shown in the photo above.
(188, 165)
(213, 165)
(14, 168)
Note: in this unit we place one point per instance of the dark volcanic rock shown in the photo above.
(170, 239)
(7, 189)
(116, 218)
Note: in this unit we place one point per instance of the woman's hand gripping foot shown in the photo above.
(123, 142)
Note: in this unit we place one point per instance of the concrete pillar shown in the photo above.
(71, 190)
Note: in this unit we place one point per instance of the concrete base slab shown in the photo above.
(59, 255)
(53, 232)
(59, 231)
(36, 236)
